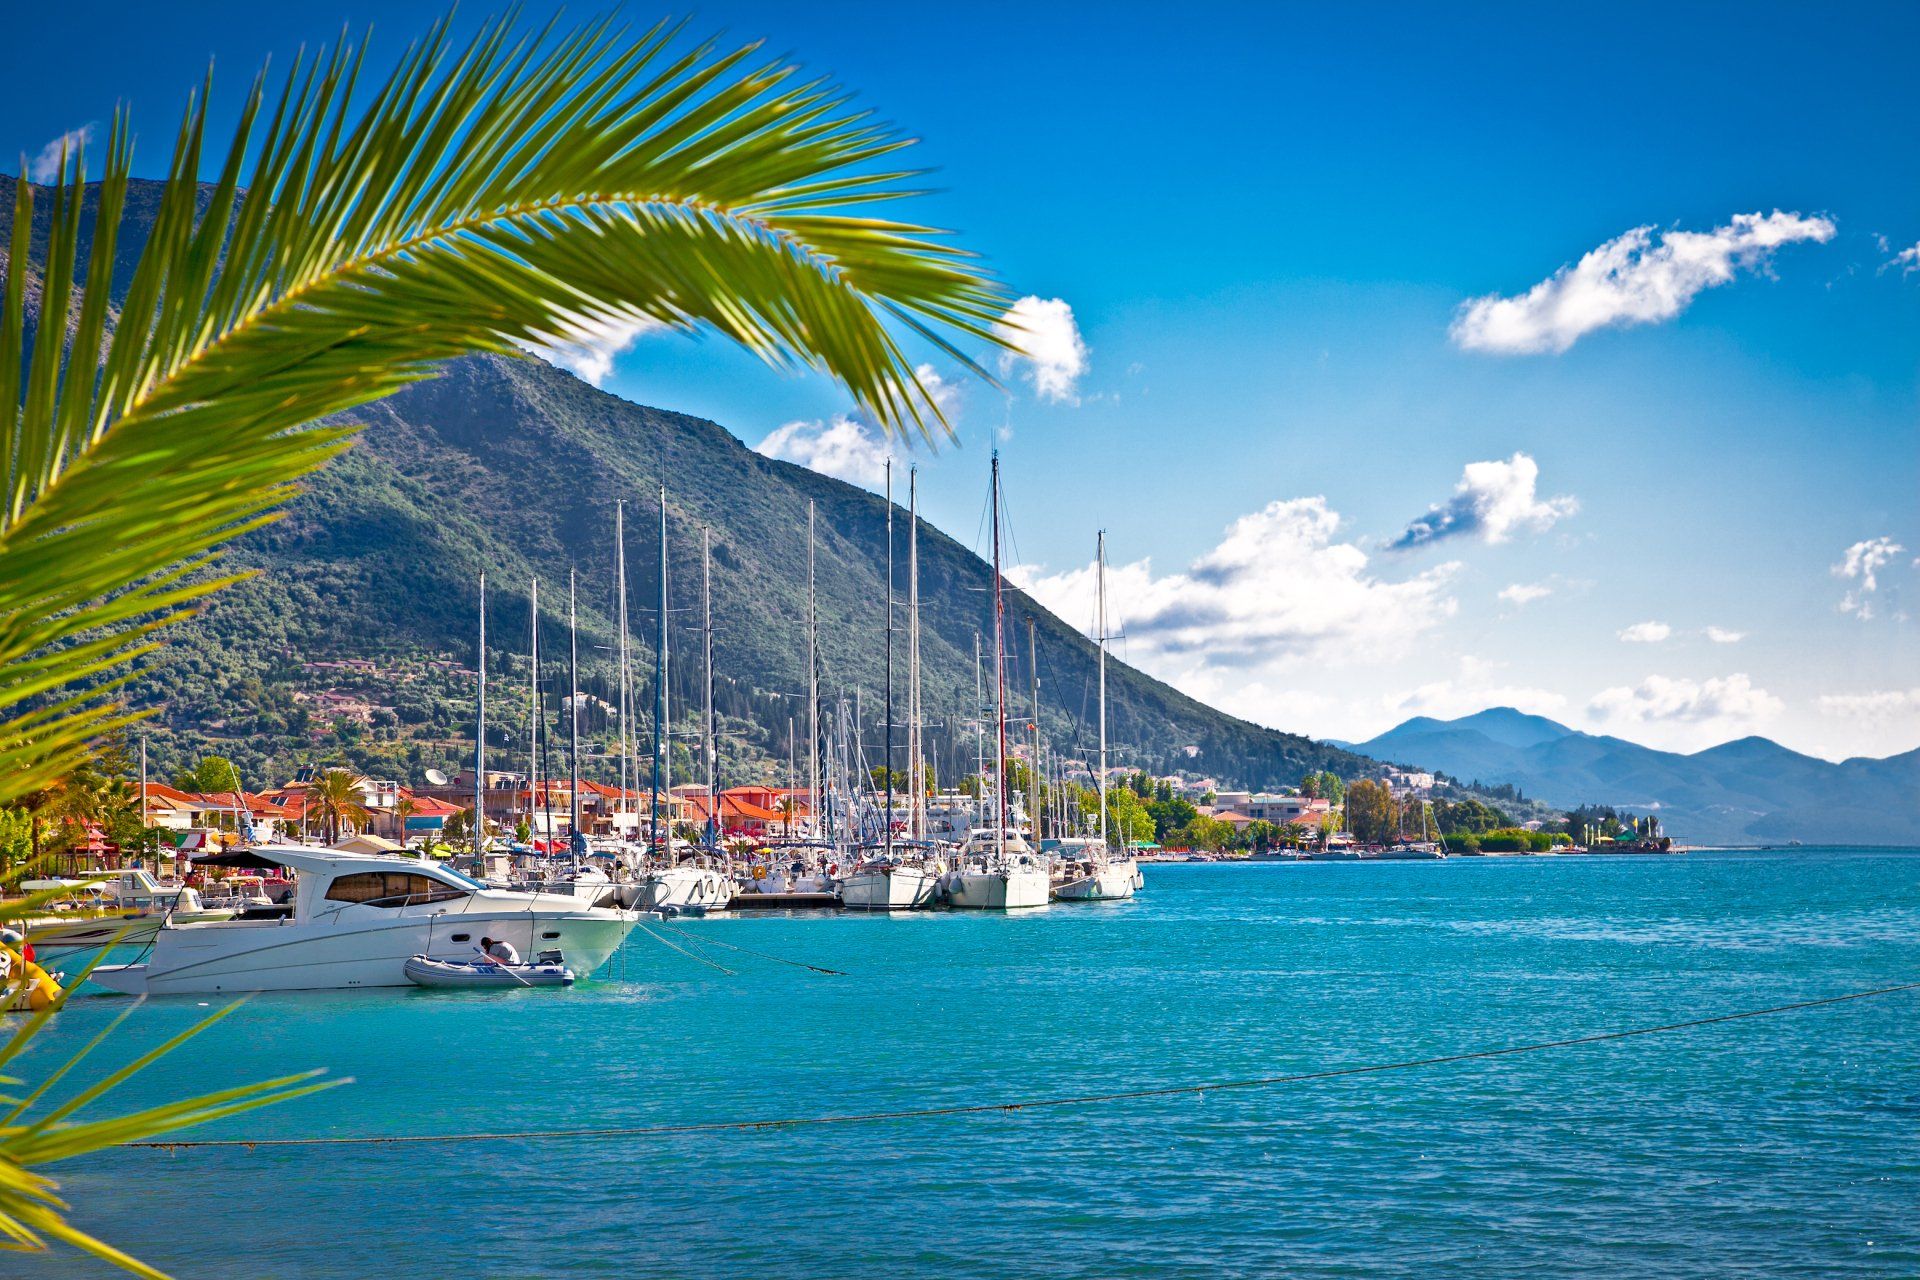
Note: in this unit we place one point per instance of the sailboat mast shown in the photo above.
(999, 679)
(887, 766)
(533, 705)
(813, 689)
(979, 731)
(660, 694)
(712, 747)
(480, 737)
(1033, 762)
(625, 694)
(573, 718)
(1100, 628)
(916, 762)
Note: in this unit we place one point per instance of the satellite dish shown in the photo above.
(435, 778)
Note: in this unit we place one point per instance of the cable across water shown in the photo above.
(1029, 1104)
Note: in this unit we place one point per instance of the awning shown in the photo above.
(238, 858)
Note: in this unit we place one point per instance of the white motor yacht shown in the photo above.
(127, 909)
(997, 872)
(357, 919)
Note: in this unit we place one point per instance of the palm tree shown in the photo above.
(403, 809)
(334, 797)
(512, 191)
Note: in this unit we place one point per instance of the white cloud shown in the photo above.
(1908, 259)
(1525, 593)
(1476, 688)
(1861, 566)
(1879, 707)
(588, 346)
(1729, 700)
(843, 448)
(944, 394)
(1721, 635)
(1646, 633)
(45, 165)
(1277, 590)
(1046, 339)
(1642, 277)
(1493, 499)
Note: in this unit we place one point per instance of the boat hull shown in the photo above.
(1111, 883)
(288, 956)
(998, 890)
(887, 889)
(686, 887)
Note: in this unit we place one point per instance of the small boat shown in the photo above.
(424, 971)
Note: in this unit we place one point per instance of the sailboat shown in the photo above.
(888, 879)
(998, 869)
(1097, 875)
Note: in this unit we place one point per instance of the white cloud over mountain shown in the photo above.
(1642, 277)
(45, 165)
(1278, 590)
(1047, 344)
(1883, 706)
(842, 447)
(589, 346)
(1494, 500)
(1732, 701)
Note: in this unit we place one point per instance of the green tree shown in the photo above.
(212, 774)
(1373, 815)
(1169, 812)
(334, 798)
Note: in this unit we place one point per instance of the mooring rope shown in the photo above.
(683, 951)
(1031, 1104)
(702, 940)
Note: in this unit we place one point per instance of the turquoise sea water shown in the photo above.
(1784, 1146)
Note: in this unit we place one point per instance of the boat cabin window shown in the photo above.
(390, 889)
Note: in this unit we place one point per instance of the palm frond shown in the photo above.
(506, 192)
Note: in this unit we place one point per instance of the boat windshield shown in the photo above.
(464, 881)
(390, 889)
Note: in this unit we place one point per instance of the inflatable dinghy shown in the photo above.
(425, 972)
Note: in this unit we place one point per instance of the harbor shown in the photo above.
(1216, 971)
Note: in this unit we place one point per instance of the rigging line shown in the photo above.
(1031, 1104)
(798, 964)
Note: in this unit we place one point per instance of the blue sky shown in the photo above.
(1268, 228)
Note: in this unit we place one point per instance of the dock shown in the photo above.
(785, 901)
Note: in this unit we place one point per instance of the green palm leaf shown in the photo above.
(510, 191)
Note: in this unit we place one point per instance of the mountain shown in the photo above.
(1748, 791)
(349, 642)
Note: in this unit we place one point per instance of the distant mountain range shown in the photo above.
(1750, 791)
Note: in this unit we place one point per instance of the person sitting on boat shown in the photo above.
(499, 951)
